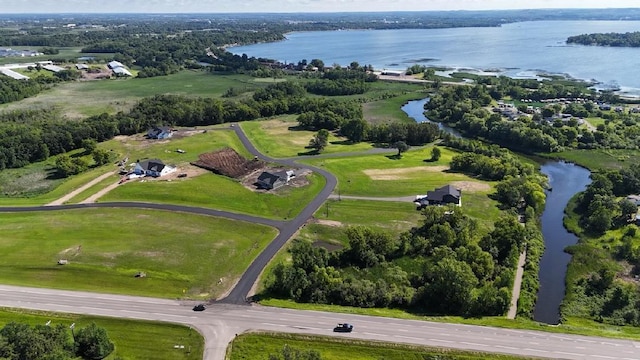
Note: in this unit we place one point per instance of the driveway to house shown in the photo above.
(82, 188)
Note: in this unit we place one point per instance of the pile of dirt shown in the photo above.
(227, 162)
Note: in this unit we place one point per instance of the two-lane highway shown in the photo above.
(220, 322)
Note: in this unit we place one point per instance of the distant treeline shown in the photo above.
(629, 39)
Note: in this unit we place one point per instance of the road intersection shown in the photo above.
(234, 314)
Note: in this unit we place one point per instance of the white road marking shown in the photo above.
(603, 356)
(567, 353)
(472, 344)
(406, 337)
(444, 341)
(538, 350)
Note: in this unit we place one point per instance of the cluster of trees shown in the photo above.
(519, 187)
(628, 39)
(443, 266)
(462, 107)
(41, 342)
(601, 207)
(14, 90)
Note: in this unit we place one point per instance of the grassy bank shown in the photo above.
(134, 340)
(182, 255)
(260, 345)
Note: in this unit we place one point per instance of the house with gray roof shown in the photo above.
(273, 180)
(152, 167)
(447, 194)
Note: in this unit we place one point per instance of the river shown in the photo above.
(565, 180)
(523, 49)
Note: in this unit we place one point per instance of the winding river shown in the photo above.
(565, 180)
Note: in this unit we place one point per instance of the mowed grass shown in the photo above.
(183, 255)
(256, 346)
(382, 175)
(133, 340)
(85, 98)
(277, 138)
(221, 193)
(390, 110)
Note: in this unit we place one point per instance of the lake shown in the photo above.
(523, 49)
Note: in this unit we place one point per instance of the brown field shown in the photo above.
(401, 173)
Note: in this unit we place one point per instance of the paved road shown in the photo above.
(220, 322)
(240, 293)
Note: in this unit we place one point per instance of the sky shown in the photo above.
(285, 6)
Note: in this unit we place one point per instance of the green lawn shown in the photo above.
(134, 340)
(85, 98)
(221, 193)
(256, 346)
(390, 110)
(274, 138)
(183, 255)
(382, 175)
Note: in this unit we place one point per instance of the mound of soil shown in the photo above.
(227, 162)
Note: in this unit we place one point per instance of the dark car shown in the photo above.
(343, 328)
(199, 307)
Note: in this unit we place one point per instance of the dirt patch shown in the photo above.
(227, 162)
(401, 173)
(471, 186)
(72, 251)
(331, 223)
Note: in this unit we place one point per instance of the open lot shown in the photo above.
(384, 176)
(278, 138)
(134, 340)
(182, 255)
(85, 98)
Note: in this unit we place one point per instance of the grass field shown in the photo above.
(33, 184)
(274, 138)
(389, 110)
(385, 176)
(85, 98)
(221, 193)
(134, 340)
(596, 159)
(107, 247)
(256, 346)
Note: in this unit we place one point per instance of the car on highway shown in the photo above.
(343, 328)
(199, 307)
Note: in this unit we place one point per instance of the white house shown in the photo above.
(152, 167)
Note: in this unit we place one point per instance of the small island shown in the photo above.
(628, 39)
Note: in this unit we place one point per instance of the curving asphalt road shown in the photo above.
(225, 319)
(240, 293)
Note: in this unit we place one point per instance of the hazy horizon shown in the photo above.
(292, 6)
